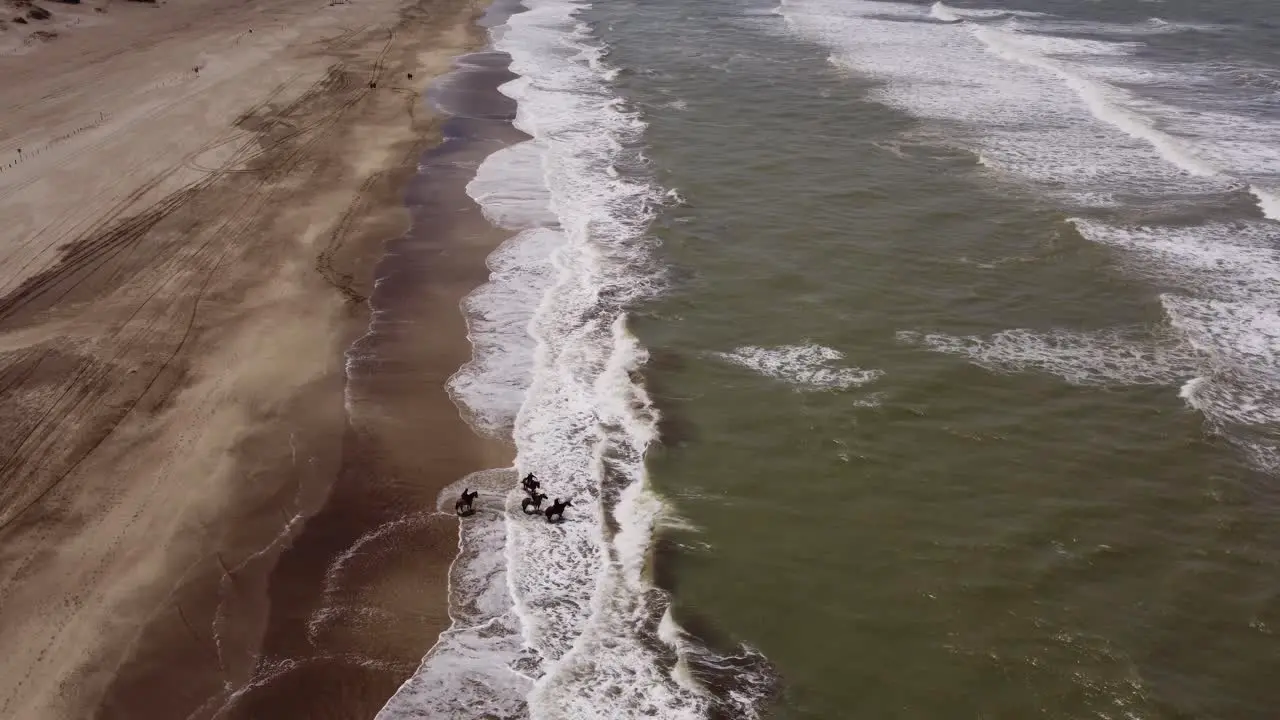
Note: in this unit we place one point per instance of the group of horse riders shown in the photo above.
(533, 499)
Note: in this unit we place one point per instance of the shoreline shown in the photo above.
(564, 618)
(372, 603)
(218, 538)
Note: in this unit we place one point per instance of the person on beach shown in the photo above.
(533, 501)
(555, 513)
(465, 505)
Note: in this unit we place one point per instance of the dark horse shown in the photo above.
(533, 501)
(530, 485)
(463, 506)
(557, 509)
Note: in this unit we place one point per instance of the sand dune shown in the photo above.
(194, 194)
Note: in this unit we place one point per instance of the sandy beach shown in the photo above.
(199, 516)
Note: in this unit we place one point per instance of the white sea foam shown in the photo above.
(1238, 261)
(474, 670)
(1049, 22)
(1268, 199)
(1093, 123)
(573, 633)
(1018, 116)
(1098, 358)
(807, 367)
(1223, 339)
(491, 387)
(1243, 341)
(511, 190)
(1061, 112)
(946, 13)
(1228, 309)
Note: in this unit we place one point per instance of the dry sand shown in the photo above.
(194, 195)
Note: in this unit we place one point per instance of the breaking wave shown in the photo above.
(562, 620)
(1075, 111)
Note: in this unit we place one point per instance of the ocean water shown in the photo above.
(902, 360)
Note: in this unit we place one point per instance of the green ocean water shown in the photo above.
(933, 538)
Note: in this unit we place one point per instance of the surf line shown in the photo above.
(474, 669)
(560, 620)
(581, 202)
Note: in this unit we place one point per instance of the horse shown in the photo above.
(530, 485)
(463, 506)
(533, 501)
(557, 508)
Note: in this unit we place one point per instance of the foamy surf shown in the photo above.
(1105, 357)
(474, 670)
(567, 624)
(510, 188)
(1076, 112)
(805, 367)
(1226, 312)
(946, 13)
(1061, 112)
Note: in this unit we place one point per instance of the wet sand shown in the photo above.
(192, 524)
(362, 595)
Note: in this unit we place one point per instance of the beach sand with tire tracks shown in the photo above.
(197, 517)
